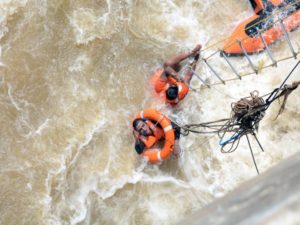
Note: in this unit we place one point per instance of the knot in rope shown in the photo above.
(246, 110)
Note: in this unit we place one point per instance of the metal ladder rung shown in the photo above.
(214, 72)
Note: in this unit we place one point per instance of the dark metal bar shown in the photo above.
(258, 142)
(247, 56)
(252, 154)
(231, 66)
(288, 39)
(214, 72)
(198, 76)
(267, 49)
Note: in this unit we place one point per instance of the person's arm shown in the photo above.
(171, 73)
(136, 135)
(289, 88)
(294, 85)
(190, 72)
(148, 141)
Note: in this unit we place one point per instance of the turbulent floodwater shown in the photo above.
(72, 76)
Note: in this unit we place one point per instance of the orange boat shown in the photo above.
(263, 19)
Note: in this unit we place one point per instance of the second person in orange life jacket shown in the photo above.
(167, 80)
(146, 134)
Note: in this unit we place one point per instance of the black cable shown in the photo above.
(267, 100)
(252, 154)
(258, 142)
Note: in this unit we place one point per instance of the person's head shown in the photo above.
(141, 126)
(172, 93)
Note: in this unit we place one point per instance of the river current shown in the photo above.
(73, 74)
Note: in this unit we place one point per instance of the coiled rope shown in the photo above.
(245, 117)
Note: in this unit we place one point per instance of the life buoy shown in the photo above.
(247, 31)
(157, 155)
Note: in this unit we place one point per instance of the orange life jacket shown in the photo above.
(150, 140)
(162, 84)
(182, 90)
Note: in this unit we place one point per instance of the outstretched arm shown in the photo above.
(169, 71)
(147, 141)
(286, 92)
(189, 74)
(289, 88)
(174, 61)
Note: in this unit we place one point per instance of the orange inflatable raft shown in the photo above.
(247, 31)
(158, 155)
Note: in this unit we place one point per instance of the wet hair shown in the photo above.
(139, 147)
(172, 92)
(135, 122)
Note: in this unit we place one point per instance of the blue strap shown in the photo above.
(233, 138)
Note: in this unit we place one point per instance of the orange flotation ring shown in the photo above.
(247, 31)
(157, 155)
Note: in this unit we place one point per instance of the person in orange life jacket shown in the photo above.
(146, 134)
(169, 82)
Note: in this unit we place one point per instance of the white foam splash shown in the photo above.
(11, 97)
(7, 9)
(80, 63)
(89, 24)
(42, 127)
(79, 198)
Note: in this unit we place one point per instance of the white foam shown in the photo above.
(202, 174)
(89, 24)
(42, 127)
(7, 9)
(29, 186)
(79, 200)
(89, 136)
(12, 99)
(80, 63)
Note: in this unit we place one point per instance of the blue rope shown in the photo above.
(232, 139)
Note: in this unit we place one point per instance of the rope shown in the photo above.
(230, 140)
(288, 76)
(243, 106)
(275, 94)
(245, 117)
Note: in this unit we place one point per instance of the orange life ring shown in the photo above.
(157, 155)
